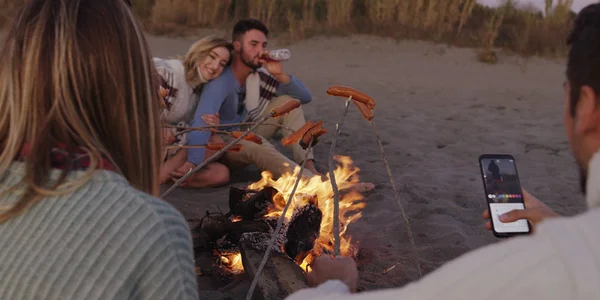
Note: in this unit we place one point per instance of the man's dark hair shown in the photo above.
(245, 25)
(583, 62)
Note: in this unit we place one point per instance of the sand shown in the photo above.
(438, 109)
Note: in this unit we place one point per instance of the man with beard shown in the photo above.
(246, 91)
(560, 260)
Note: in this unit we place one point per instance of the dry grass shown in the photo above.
(459, 22)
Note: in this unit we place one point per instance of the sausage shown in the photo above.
(344, 91)
(285, 108)
(314, 132)
(219, 146)
(364, 110)
(296, 136)
(251, 137)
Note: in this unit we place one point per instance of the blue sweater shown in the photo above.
(222, 95)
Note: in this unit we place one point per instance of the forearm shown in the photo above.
(290, 85)
(481, 274)
(197, 137)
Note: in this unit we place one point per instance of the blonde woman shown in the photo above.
(80, 146)
(180, 85)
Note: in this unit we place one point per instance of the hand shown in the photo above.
(181, 171)
(162, 92)
(535, 211)
(167, 136)
(276, 69)
(211, 120)
(326, 268)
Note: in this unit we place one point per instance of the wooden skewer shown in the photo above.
(263, 262)
(275, 113)
(212, 127)
(336, 193)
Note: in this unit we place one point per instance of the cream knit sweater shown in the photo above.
(182, 95)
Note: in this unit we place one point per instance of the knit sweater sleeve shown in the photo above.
(167, 269)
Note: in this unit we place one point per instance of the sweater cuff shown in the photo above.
(327, 290)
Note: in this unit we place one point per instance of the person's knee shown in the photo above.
(221, 175)
(215, 174)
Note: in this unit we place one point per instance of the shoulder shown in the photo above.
(155, 211)
(225, 81)
(173, 65)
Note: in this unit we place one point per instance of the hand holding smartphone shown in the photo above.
(503, 193)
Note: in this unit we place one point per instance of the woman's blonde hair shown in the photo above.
(198, 52)
(77, 73)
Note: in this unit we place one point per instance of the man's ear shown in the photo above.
(237, 46)
(587, 113)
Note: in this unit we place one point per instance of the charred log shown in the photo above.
(210, 229)
(237, 195)
(303, 231)
(280, 276)
(255, 207)
(237, 229)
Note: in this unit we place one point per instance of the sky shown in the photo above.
(577, 4)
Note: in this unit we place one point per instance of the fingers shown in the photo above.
(180, 172)
(211, 119)
(486, 214)
(517, 214)
(311, 279)
(488, 225)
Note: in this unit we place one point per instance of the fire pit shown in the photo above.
(238, 239)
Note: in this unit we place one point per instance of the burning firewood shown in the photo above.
(302, 232)
(255, 206)
(237, 195)
(280, 276)
(237, 229)
(219, 231)
(210, 229)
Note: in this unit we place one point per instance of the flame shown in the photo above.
(233, 262)
(349, 210)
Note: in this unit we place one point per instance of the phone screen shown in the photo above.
(503, 192)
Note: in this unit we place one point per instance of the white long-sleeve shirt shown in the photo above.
(560, 261)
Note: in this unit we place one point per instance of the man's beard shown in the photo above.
(248, 63)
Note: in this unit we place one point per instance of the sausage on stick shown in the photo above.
(275, 113)
(347, 92)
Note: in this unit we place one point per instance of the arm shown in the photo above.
(166, 271)
(292, 86)
(213, 95)
(521, 267)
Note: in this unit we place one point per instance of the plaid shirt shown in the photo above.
(76, 159)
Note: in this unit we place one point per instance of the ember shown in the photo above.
(307, 230)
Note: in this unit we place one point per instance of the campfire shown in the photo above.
(307, 231)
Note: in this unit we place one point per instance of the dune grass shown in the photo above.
(458, 22)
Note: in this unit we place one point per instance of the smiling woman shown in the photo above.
(180, 86)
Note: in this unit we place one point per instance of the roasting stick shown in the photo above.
(365, 105)
(275, 113)
(209, 146)
(263, 262)
(212, 128)
(397, 197)
(336, 193)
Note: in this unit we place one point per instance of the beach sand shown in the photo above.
(437, 109)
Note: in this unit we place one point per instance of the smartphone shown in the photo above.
(503, 193)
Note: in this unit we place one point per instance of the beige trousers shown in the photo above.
(265, 156)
